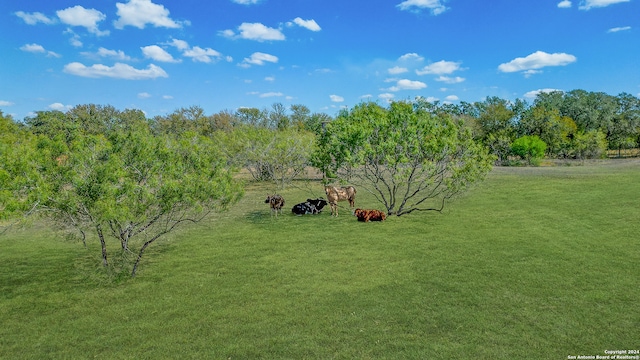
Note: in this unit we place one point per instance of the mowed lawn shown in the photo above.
(536, 263)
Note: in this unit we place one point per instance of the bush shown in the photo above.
(529, 148)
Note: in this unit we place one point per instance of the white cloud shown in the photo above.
(534, 93)
(5, 103)
(259, 58)
(336, 98)
(144, 95)
(440, 68)
(589, 4)
(254, 31)
(179, 44)
(411, 57)
(270, 79)
(397, 70)
(59, 106)
(435, 6)
(386, 96)
(107, 53)
(34, 18)
(199, 54)
(157, 53)
(35, 48)
(271, 94)
(618, 29)
(139, 13)
(452, 98)
(118, 71)
(450, 80)
(246, 2)
(406, 84)
(87, 18)
(307, 24)
(537, 60)
(565, 4)
(167, 97)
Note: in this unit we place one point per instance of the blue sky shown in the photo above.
(161, 55)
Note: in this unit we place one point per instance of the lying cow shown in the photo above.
(309, 207)
(369, 215)
(276, 202)
(338, 193)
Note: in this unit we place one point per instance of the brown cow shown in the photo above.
(369, 215)
(276, 202)
(338, 193)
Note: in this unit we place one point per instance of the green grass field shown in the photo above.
(534, 263)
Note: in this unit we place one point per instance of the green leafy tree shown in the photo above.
(529, 148)
(589, 145)
(407, 157)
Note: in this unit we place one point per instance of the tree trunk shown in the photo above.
(103, 245)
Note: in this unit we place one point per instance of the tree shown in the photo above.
(269, 155)
(530, 148)
(128, 185)
(407, 157)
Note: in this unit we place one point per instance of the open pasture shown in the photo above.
(536, 263)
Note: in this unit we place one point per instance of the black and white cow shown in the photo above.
(310, 206)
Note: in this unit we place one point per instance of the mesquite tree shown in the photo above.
(407, 157)
(127, 186)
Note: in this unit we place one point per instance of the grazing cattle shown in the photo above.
(309, 207)
(276, 202)
(337, 193)
(369, 215)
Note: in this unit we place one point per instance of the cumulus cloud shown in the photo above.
(536, 61)
(118, 71)
(452, 98)
(107, 53)
(450, 80)
(144, 95)
(139, 13)
(254, 31)
(87, 18)
(157, 53)
(5, 103)
(34, 18)
(307, 24)
(258, 58)
(199, 54)
(590, 4)
(397, 70)
(59, 106)
(534, 93)
(565, 4)
(406, 84)
(411, 57)
(336, 98)
(440, 68)
(386, 96)
(36, 48)
(618, 29)
(435, 6)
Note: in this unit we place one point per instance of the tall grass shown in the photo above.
(536, 263)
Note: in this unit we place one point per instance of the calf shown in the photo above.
(338, 193)
(309, 207)
(276, 202)
(369, 215)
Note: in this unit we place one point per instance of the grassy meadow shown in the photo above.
(537, 263)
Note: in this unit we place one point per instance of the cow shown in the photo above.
(276, 202)
(309, 207)
(369, 215)
(338, 193)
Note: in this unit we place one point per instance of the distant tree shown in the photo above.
(407, 157)
(589, 145)
(269, 155)
(529, 148)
